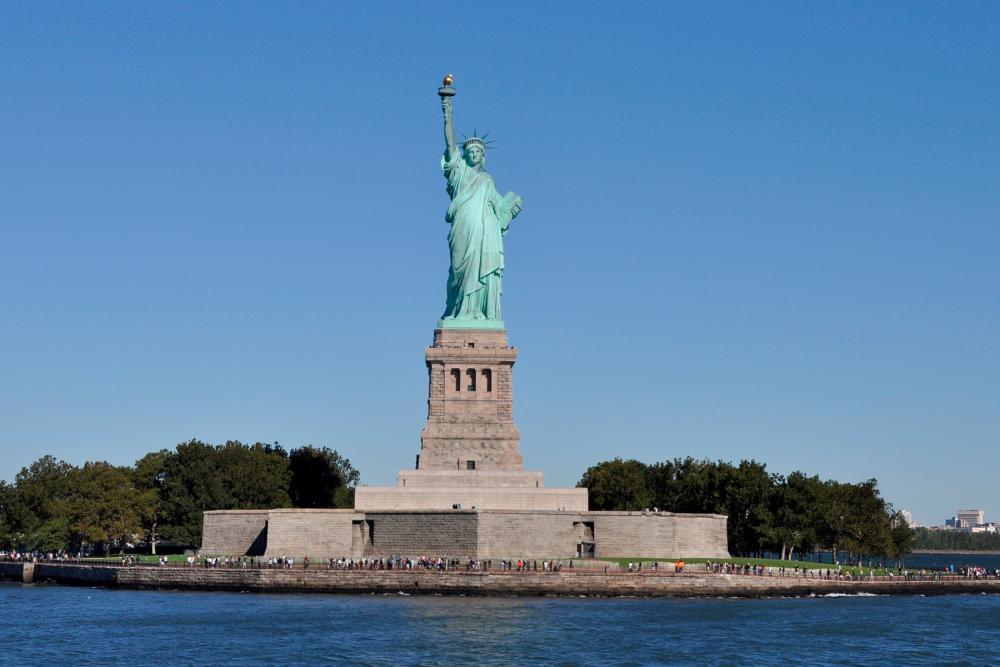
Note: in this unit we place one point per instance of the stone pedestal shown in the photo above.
(469, 497)
(470, 422)
(470, 450)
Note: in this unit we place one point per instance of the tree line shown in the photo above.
(954, 540)
(56, 506)
(767, 512)
(53, 505)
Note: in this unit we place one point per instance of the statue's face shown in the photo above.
(474, 156)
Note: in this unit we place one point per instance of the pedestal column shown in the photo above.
(470, 423)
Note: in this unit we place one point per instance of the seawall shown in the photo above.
(693, 584)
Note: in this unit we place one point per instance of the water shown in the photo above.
(81, 626)
(943, 560)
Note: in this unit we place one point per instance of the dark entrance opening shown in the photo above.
(586, 544)
(362, 534)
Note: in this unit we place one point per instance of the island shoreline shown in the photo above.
(429, 582)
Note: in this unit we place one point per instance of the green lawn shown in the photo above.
(145, 559)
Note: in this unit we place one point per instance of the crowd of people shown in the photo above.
(652, 566)
(861, 573)
(39, 557)
(981, 573)
(399, 563)
(521, 565)
(440, 563)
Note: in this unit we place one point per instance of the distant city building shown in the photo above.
(970, 521)
(907, 517)
(971, 517)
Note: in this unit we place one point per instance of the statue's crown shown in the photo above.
(474, 140)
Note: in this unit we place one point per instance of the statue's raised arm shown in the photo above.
(449, 126)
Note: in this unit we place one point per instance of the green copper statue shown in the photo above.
(479, 218)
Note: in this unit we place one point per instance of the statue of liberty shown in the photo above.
(479, 218)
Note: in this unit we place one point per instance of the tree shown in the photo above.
(43, 490)
(700, 486)
(617, 485)
(951, 540)
(747, 500)
(765, 511)
(190, 486)
(321, 477)
(661, 480)
(901, 536)
(105, 507)
(853, 517)
(796, 507)
(198, 477)
(12, 517)
(253, 476)
(54, 505)
(53, 535)
(149, 473)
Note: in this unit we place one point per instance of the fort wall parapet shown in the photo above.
(463, 534)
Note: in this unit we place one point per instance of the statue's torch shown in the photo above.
(446, 90)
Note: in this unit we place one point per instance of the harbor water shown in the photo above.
(49, 624)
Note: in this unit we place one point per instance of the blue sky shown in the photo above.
(763, 230)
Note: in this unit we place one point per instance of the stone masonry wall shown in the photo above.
(616, 534)
(531, 535)
(659, 535)
(234, 532)
(449, 533)
(317, 533)
(484, 534)
(469, 403)
(370, 498)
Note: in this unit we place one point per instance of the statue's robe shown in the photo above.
(479, 218)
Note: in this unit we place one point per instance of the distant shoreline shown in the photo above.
(963, 552)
